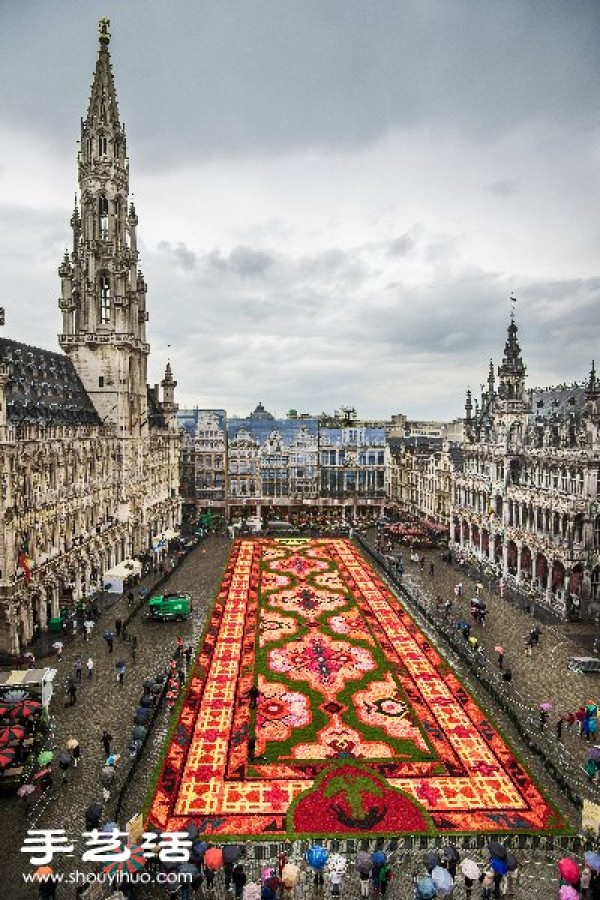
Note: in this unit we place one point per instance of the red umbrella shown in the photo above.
(10, 733)
(213, 858)
(25, 708)
(569, 870)
(7, 755)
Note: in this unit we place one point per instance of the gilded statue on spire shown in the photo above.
(104, 29)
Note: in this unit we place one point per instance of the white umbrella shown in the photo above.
(470, 869)
(442, 879)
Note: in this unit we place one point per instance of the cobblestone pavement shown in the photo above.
(102, 703)
(539, 678)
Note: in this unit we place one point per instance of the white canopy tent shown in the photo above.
(114, 580)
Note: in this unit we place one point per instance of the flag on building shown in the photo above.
(24, 562)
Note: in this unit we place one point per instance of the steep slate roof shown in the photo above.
(560, 401)
(44, 388)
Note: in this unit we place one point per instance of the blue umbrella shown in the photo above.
(316, 857)
(425, 889)
(592, 860)
(498, 865)
(379, 858)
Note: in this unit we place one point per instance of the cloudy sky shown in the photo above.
(336, 198)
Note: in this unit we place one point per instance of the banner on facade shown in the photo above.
(590, 817)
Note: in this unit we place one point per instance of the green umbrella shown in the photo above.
(45, 757)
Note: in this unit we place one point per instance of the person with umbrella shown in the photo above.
(45, 876)
(591, 769)
(471, 873)
(110, 640)
(120, 667)
(72, 745)
(425, 889)
(93, 815)
(105, 740)
(544, 713)
(239, 879)
(499, 650)
(27, 793)
(64, 762)
(72, 692)
(364, 864)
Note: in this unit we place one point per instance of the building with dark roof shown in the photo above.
(89, 468)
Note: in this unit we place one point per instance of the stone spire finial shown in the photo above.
(104, 29)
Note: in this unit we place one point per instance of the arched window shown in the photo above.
(105, 300)
(103, 216)
(102, 145)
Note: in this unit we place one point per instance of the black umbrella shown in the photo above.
(93, 814)
(107, 776)
(159, 679)
(148, 684)
(497, 850)
(188, 869)
(199, 849)
(192, 831)
(511, 861)
(147, 700)
(64, 759)
(232, 852)
(108, 636)
(432, 859)
(450, 852)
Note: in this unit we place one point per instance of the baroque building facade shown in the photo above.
(525, 501)
(89, 465)
(293, 468)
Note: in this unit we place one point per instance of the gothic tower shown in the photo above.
(511, 402)
(169, 407)
(103, 298)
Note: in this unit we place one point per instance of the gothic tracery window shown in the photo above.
(105, 300)
(103, 216)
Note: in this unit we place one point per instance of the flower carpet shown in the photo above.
(359, 724)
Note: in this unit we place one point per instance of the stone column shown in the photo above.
(519, 553)
(42, 610)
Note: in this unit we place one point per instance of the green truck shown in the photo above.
(165, 607)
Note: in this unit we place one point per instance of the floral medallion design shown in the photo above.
(325, 663)
(279, 710)
(307, 601)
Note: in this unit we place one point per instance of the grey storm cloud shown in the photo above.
(336, 198)
(275, 75)
(504, 187)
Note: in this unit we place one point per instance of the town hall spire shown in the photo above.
(103, 297)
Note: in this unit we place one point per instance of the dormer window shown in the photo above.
(105, 300)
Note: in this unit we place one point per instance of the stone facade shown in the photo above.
(281, 468)
(89, 465)
(526, 500)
